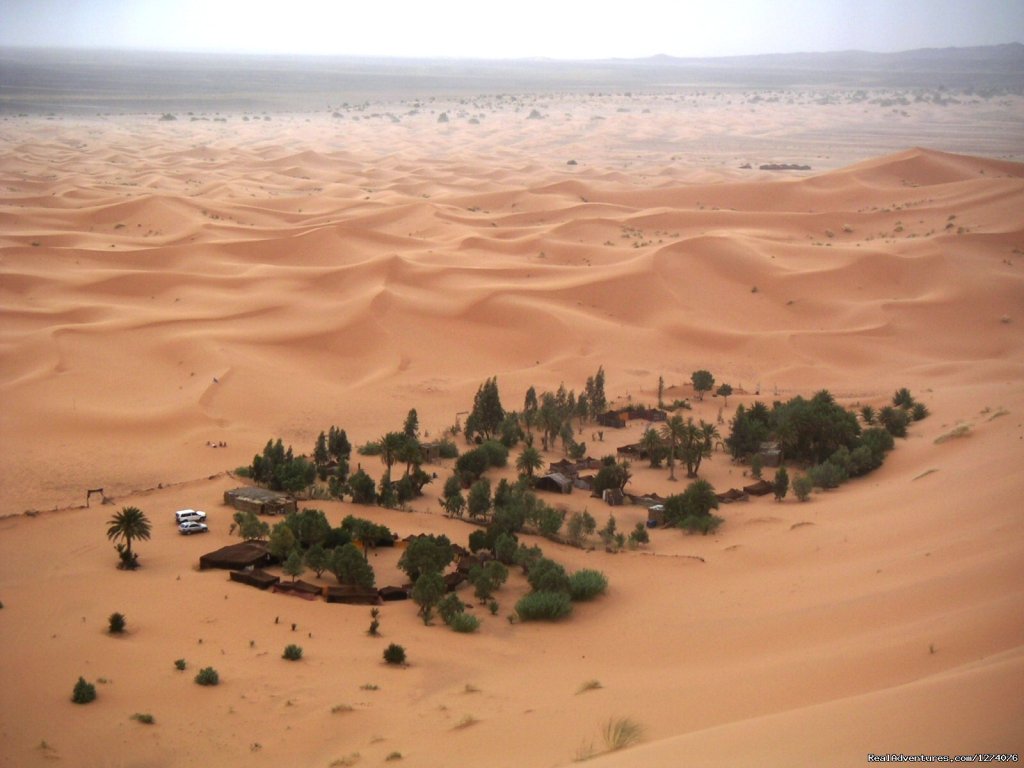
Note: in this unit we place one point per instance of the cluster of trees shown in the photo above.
(680, 440)
(822, 434)
(550, 414)
(691, 510)
(280, 469)
(306, 540)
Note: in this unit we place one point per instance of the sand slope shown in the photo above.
(166, 286)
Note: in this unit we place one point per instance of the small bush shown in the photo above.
(84, 692)
(918, 411)
(703, 524)
(208, 676)
(802, 487)
(394, 654)
(544, 606)
(621, 732)
(292, 652)
(144, 718)
(446, 449)
(465, 623)
(179, 664)
(117, 623)
(449, 607)
(587, 584)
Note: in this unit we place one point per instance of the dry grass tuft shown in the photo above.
(621, 732)
(589, 685)
(961, 430)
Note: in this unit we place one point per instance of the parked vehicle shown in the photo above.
(189, 514)
(192, 526)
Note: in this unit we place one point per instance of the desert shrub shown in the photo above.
(450, 606)
(471, 465)
(144, 717)
(370, 448)
(580, 525)
(362, 488)
(83, 692)
(446, 449)
(394, 654)
(116, 623)
(587, 584)
(544, 606)
(465, 623)
(496, 453)
(179, 664)
(548, 576)
(802, 487)
(895, 420)
(292, 652)
(918, 411)
(902, 398)
(639, 535)
(505, 546)
(828, 475)
(208, 676)
(702, 524)
(868, 414)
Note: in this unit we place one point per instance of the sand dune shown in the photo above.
(167, 285)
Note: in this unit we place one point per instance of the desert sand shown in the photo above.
(168, 284)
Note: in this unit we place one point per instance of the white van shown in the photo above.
(189, 514)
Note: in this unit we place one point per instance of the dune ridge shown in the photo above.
(165, 287)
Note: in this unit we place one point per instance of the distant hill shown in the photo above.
(92, 80)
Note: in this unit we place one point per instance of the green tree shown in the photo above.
(282, 541)
(703, 382)
(123, 528)
(724, 391)
(673, 432)
(411, 428)
(424, 554)
(529, 461)
(349, 566)
(362, 488)
(479, 501)
(595, 393)
(310, 526)
(487, 579)
(548, 576)
(802, 487)
(452, 500)
(250, 527)
(427, 591)
(487, 415)
(293, 565)
(691, 510)
(652, 443)
(781, 484)
(318, 559)
(611, 475)
(661, 391)
(868, 414)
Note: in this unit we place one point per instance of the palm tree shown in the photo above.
(129, 524)
(529, 461)
(672, 432)
(390, 446)
(653, 444)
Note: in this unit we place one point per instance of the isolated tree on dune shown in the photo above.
(125, 527)
(703, 382)
(724, 391)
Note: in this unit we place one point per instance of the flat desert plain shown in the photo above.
(166, 285)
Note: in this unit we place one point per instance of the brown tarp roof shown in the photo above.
(236, 557)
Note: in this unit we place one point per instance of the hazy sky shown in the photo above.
(512, 28)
